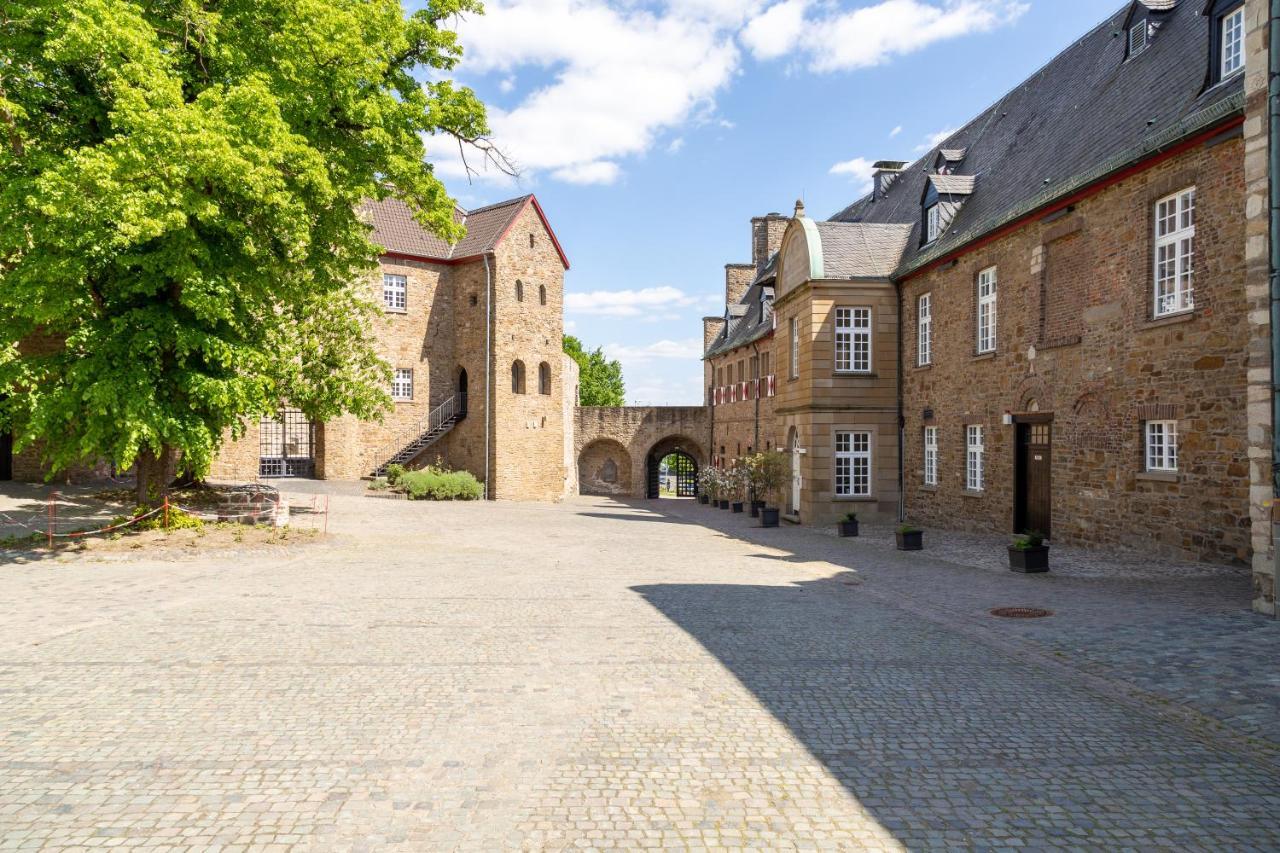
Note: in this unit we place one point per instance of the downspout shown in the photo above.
(902, 421)
(1273, 168)
(756, 442)
(488, 372)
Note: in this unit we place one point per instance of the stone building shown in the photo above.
(474, 334)
(1062, 284)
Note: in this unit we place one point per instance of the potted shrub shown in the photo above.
(705, 485)
(910, 538)
(849, 525)
(737, 485)
(772, 470)
(1029, 554)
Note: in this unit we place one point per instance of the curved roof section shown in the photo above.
(855, 249)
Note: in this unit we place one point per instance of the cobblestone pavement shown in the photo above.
(592, 674)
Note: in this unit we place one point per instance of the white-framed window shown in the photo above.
(1162, 445)
(1138, 37)
(395, 291)
(402, 384)
(987, 310)
(1175, 253)
(1232, 45)
(853, 340)
(853, 464)
(924, 330)
(931, 456)
(933, 223)
(795, 348)
(974, 475)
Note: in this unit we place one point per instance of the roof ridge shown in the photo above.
(497, 204)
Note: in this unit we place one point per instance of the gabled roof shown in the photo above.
(1086, 115)
(395, 229)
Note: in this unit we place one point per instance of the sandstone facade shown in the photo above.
(618, 449)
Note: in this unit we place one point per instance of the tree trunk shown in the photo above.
(155, 474)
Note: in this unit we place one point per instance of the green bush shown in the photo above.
(394, 473)
(434, 485)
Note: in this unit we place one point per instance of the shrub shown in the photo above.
(908, 528)
(850, 516)
(435, 485)
(379, 484)
(394, 472)
(178, 520)
(1028, 540)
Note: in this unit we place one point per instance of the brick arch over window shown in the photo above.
(1033, 390)
(517, 377)
(544, 378)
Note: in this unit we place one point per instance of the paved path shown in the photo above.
(591, 674)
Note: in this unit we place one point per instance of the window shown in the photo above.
(1232, 44)
(853, 340)
(720, 376)
(795, 348)
(987, 310)
(1162, 445)
(1138, 37)
(519, 290)
(544, 378)
(755, 367)
(974, 474)
(517, 377)
(1175, 252)
(924, 330)
(532, 242)
(395, 289)
(764, 364)
(933, 223)
(402, 384)
(931, 456)
(542, 294)
(853, 464)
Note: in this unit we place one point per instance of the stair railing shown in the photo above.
(451, 409)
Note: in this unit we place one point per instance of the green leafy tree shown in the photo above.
(180, 243)
(599, 379)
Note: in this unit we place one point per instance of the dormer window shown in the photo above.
(1231, 34)
(1138, 38)
(933, 223)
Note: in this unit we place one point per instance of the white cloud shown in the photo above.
(859, 170)
(687, 348)
(596, 172)
(933, 140)
(726, 124)
(507, 85)
(675, 145)
(871, 35)
(893, 133)
(775, 32)
(627, 303)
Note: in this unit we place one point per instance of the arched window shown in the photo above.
(542, 294)
(544, 378)
(519, 290)
(531, 242)
(517, 377)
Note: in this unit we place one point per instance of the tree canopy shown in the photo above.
(599, 379)
(180, 243)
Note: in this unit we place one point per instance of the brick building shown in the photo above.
(474, 334)
(1067, 308)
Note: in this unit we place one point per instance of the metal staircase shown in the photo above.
(410, 444)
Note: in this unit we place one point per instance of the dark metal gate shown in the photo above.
(1034, 508)
(680, 468)
(286, 446)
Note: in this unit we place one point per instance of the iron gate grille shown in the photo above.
(286, 446)
(686, 474)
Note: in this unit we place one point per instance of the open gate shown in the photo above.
(681, 473)
(287, 446)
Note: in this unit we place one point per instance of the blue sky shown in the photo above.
(652, 133)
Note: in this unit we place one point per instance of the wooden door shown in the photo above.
(1034, 493)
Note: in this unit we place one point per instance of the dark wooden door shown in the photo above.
(651, 472)
(1034, 490)
(6, 456)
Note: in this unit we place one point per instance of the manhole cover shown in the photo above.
(1021, 612)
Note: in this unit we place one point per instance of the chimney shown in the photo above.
(711, 328)
(737, 279)
(766, 238)
(886, 172)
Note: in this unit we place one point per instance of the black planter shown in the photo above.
(913, 541)
(768, 516)
(848, 528)
(724, 504)
(756, 506)
(1029, 560)
(703, 499)
(737, 506)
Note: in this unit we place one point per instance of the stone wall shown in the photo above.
(1100, 377)
(613, 444)
(569, 394)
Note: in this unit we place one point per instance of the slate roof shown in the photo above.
(1086, 114)
(954, 184)
(861, 250)
(395, 229)
(748, 329)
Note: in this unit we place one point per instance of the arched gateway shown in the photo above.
(620, 451)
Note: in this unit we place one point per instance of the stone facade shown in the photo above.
(617, 447)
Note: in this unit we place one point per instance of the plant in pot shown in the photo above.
(1028, 553)
(849, 524)
(910, 538)
(772, 470)
(754, 486)
(705, 485)
(720, 496)
(738, 485)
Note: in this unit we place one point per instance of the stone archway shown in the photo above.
(604, 468)
(680, 445)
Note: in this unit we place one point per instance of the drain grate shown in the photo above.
(1021, 612)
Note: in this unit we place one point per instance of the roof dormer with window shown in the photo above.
(944, 195)
(948, 160)
(1226, 39)
(1142, 24)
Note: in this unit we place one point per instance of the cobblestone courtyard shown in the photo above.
(598, 674)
